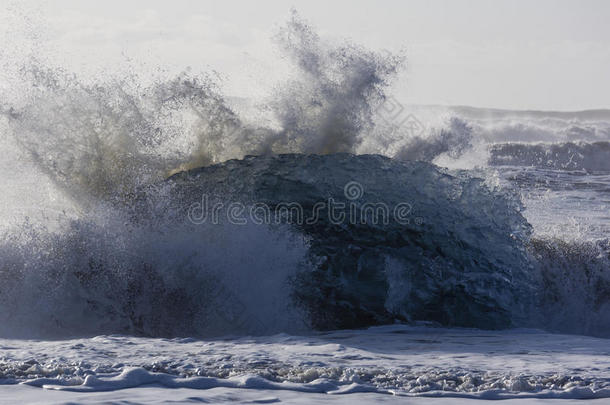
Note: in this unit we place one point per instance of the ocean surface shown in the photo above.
(160, 241)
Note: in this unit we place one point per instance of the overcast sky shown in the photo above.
(551, 55)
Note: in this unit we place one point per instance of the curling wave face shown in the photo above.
(589, 157)
(154, 269)
(404, 245)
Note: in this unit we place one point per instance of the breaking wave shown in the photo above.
(589, 157)
(133, 155)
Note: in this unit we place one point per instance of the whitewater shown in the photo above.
(160, 241)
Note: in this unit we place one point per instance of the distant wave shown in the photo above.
(590, 157)
(497, 126)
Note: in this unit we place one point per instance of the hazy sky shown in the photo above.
(552, 55)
